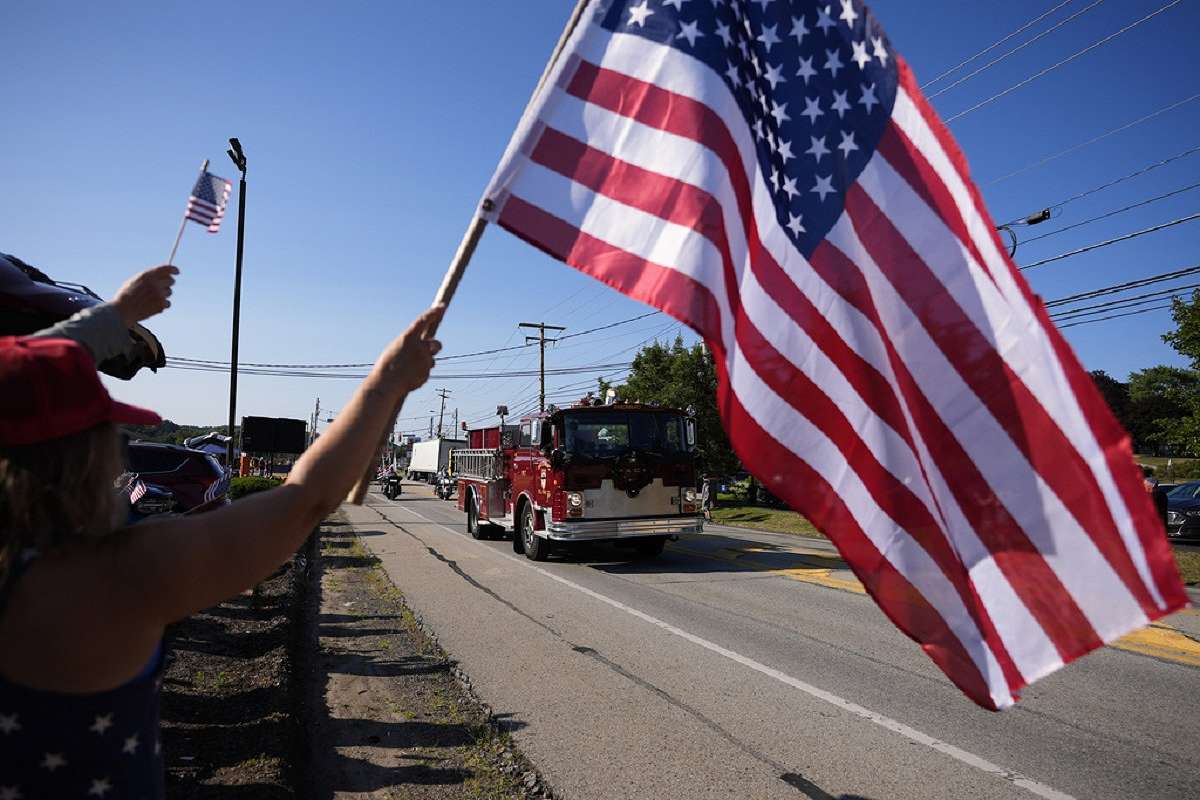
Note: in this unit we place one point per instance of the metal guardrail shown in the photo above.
(484, 465)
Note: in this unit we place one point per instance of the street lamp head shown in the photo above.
(236, 154)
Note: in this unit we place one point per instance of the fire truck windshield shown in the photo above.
(610, 434)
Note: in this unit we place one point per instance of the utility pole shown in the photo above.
(541, 340)
(456, 423)
(442, 393)
(316, 418)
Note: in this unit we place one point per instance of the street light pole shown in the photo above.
(239, 160)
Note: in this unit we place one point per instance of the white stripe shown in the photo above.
(908, 118)
(908, 732)
(685, 160)
(1067, 549)
(659, 241)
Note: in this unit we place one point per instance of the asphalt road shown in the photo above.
(747, 665)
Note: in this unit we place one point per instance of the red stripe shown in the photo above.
(983, 370)
(691, 207)
(688, 301)
(1113, 441)
(1015, 555)
(803, 487)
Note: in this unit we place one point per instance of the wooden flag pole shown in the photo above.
(466, 248)
(183, 222)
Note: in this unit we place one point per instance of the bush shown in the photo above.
(240, 487)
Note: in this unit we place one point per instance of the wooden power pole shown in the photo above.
(541, 340)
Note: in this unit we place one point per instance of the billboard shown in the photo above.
(265, 435)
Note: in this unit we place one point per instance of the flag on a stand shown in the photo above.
(206, 205)
(770, 174)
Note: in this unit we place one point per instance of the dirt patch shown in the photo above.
(229, 727)
(389, 713)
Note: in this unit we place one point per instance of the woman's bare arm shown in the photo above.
(169, 569)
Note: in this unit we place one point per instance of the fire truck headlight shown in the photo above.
(574, 504)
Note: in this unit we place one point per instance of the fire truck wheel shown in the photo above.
(648, 548)
(473, 527)
(536, 548)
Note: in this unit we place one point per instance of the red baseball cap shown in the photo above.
(49, 388)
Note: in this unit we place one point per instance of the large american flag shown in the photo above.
(206, 205)
(769, 173)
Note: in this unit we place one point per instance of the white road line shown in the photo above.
(908, 732)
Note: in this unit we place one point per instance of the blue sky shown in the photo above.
(372, 128)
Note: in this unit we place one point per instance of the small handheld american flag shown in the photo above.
(206, 205)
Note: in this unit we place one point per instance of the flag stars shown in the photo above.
(847, 146)
(868, 98)
(806, 69)
(100, 787)
(723, 32)
(840, 104)
(638, 14)
(131, 745)
(812, 110)
(775, 179)
(833, 62)
(818, 148)
(799, 29)
(689, 31)
(789, 188)
(774, 75)
(52, 761)
(9, 724)
(677, 3)
(879, 51)
(768, 37)
(825, 20)
(734, 76)
(796, 224)
(779, 112)
(785, 151)
(848, 13)
(824, 186)
(860, 56)
(103, 722)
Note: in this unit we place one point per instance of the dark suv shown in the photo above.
(193, 480)
(1183, 512)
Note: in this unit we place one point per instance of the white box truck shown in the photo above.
(431, 457)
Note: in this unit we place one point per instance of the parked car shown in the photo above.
(194, 480)
(1183, 512)
(31, 301)
(145, 499)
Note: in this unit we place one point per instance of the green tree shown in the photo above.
(1186, 336)
(1115, 393)
(1158, 398)
(683, 377)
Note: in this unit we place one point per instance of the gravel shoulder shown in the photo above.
(387, 713)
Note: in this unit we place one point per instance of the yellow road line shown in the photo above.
(1159, 640)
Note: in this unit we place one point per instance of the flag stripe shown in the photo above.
(1018, 558)
(642, 279)
(997, 386)
(1149, 548)
(691, 207)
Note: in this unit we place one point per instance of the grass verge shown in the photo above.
(1189, 565)
(765, 519)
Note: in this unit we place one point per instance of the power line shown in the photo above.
(1114, 240)
(1121, 287)
(996, 44)
(1063, 62)
(1016, 49)
(1099, 217)
(1126, 302)
(1114, 316)
(1094, 139)
(435, 376)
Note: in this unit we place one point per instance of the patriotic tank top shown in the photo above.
(99, 745)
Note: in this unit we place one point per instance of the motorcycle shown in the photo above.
(392, 486)
(445, 486)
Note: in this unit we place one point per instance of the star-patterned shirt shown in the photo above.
(103, 745)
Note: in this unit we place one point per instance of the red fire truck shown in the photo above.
(590, 472)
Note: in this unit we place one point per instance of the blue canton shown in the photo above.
(210, 189)
(815, 81)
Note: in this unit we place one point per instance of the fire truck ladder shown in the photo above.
(484, 465)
